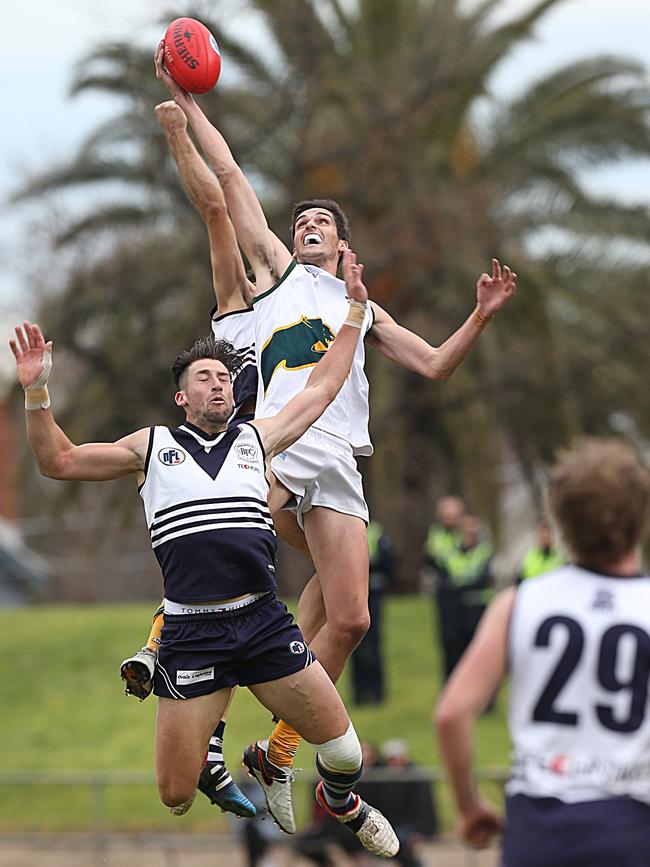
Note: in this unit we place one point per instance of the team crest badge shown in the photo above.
(246, 453)
(171, 456)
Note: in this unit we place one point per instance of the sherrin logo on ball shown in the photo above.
(192, 55)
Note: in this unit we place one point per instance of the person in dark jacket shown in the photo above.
(368, 682)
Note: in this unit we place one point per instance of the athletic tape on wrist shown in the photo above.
(36, 394)
(356, 314)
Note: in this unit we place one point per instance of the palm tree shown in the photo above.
(386, 106)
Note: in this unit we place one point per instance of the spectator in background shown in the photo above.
(408, 798)
(443, 539)
(464, 588)
(259, 835)
(444, 535)
(543, 557)
(367, 659)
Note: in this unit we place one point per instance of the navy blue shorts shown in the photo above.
(546, 832)
(201, 653)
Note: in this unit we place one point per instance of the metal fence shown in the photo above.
(100, 846)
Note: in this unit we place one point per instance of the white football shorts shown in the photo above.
(320, 470)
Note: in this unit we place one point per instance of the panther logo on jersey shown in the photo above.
(301, 344)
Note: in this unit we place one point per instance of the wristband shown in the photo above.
(480, 319)
(36, 394)
(356, 313)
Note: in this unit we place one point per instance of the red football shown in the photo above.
(192, 55)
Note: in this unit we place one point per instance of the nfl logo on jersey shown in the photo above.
(171, 457)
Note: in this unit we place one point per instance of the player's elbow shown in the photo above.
(51, 470)
(436, 370)
(227, 172)
(330, 390)
(324, 391)
(54, 466)
(447, 715)
(215, 211)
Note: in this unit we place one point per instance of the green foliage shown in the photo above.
(386, 106)
(63, 710)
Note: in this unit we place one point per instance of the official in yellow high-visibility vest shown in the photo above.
(463, 590)
(444, 536)
(544, 557)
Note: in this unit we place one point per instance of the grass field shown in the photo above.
(63, 709)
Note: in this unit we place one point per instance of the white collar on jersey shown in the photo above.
(208, 441)
(313, 269)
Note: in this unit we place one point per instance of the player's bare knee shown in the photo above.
(176, 789)
(348, 630)
(173, 793)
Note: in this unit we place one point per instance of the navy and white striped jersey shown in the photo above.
(238, 328)
(205, 501)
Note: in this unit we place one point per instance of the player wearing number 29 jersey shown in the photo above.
(579, 651)
(576, 644)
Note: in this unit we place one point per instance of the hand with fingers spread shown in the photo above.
(493, 291)
(182, 97)
(33, 361)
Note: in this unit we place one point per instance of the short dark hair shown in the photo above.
(599, 494)
(207, 347)
(342, 225)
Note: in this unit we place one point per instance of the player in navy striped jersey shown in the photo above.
(232, 320)
(575, 643)
(204, 487)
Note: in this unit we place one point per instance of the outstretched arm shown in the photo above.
(412, 352)
(328, 375)
(469, 690)
(56, 455)
(268, 256)
(231, 287)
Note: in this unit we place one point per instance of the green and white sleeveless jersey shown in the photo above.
(295, 323)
